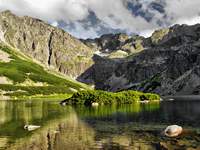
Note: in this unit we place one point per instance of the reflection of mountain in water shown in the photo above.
(69, 132)
(73, 134)
(15, 114)
(106, 127)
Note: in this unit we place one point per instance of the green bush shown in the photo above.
(103, 97)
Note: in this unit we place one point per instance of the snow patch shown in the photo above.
(101, 54)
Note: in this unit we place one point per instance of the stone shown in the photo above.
(31, 127)
(173, 131)
(144, 101)
(95, 104)
(163, 146)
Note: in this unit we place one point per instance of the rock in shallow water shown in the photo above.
(31, 127)
(95, 104)
(173, 131)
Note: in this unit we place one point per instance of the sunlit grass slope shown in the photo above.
(22, 77)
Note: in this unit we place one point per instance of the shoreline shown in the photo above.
(181, 98)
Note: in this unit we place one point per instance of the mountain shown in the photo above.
(49, 45)
(32, 53)
(168, 62)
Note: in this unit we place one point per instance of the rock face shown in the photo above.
(168, 65)
(114, 42)
(49, 45)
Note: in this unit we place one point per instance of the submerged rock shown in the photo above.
(171, 99)
(173, 131)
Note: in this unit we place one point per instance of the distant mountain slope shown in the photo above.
(47, 44)
(168, 64)
(21, 77)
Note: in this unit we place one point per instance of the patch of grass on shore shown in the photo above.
(102, 97)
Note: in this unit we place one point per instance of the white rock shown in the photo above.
(171, 99)
(95, 104)
(63, 104)
(173, 131)
(145, 101)
(31, 127)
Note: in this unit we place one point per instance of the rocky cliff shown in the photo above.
(49, 45)
(111, 43)
(168, 64)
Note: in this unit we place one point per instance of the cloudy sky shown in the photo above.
(92, 18)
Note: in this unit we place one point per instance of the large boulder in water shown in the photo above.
(173, 131)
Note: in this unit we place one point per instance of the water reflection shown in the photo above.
(136, 126)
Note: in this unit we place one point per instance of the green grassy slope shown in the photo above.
(29, 79)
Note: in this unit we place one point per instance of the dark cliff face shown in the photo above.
(169, 65)
(49, 45)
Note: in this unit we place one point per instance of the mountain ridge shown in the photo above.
(166, 63)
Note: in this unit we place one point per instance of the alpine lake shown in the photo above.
(137, 126)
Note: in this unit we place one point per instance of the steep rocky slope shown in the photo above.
(168, 64)
(49, 45)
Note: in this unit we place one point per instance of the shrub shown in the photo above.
(103, 97)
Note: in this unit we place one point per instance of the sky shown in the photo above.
(93, 18)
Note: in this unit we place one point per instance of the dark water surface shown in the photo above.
(137, 126)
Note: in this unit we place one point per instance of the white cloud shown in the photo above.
(55, 24)
(183, 11)
(81, 32)
(110, 13)
(146, 33)
(189, 21)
